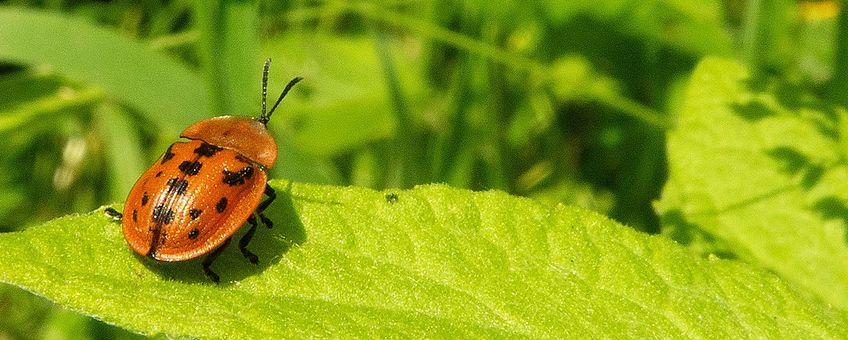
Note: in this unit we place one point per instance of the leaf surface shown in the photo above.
(757, 171)
(432, 261)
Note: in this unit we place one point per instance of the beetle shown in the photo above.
(192, 200)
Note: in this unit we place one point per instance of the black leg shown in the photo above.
(272, 195)
(266, 221)
(243, 242)
(114, 214)
(207, 262)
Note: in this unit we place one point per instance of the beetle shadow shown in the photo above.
(269, 244)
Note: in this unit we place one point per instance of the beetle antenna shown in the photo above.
(262, 116)
(291, 83)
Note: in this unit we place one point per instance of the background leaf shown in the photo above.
(342, 102)
(757, 170)
(122, 67)
(424, 262)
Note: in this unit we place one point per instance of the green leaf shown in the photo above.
(168, 92)
(432, 261)
(346, 106)
(758, 171)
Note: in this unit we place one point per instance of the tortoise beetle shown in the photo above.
(201, 191)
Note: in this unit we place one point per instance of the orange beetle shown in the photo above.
(200, 192)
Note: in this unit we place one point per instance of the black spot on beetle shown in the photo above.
(168, 154)
(177, 185)
(221, 205)
(135, 215)
(144, 199)
(162, 215)
(158, 174)
(190, 168)
(194, 213)
(193, 234)
(237, 178)
(207, 150)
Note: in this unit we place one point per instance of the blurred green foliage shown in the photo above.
(562, 101)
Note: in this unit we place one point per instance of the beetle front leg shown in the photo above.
(114, 214)
(245, 240)
(272, 195)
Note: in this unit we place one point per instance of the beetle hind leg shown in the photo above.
(207, 262)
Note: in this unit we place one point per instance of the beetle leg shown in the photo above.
(207, 262)
(264, 205)
(266, 221)
(114, 214)
(271, 196)
(246, 239)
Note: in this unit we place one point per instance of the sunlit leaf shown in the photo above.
(428, 262)
(758, 171)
